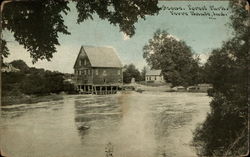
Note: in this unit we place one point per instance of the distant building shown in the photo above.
(7, 67)
(97, 70)
(154, 76)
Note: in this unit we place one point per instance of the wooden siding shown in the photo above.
(107, 76)
(85, 74)
(83, 71)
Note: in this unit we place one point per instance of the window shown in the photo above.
(119, 72)
(85, 72)
(155, 77)
(96, 71)
(89, 71)
(80, 62)
(85, 62)
(104, 73)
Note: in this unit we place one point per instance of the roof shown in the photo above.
(153, 72)
(101, 56)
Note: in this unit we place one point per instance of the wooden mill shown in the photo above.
(98, 70)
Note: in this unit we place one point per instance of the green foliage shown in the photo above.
(21, 65)
(225, 131)
(36, 24)
(131, 72)
(11, 83)
(4, 48)
(124, 13)
(32, 81)
(173, 57)
(143, 73)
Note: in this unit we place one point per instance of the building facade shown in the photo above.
(154, 76)
(98, 70)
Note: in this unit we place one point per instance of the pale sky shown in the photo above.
(200, 33)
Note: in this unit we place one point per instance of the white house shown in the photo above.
(154, 76)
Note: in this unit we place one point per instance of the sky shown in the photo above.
(200, 33)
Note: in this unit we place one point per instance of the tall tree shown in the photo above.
(225, 131)
(37, 24)
(172, 56)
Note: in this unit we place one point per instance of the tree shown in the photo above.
(37, 24)
(143, 73)
(225, 130)
(172, 56)
(21, 65)
(131, 72)
(33, 81)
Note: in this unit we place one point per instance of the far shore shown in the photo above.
(29, 99)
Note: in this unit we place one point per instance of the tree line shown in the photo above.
(33, 81)
(225, 131)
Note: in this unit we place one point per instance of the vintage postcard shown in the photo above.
(127, 78)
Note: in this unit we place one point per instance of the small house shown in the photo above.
(154, 76)
(98, 70)
(7, 67)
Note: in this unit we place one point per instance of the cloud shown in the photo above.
(125, 36)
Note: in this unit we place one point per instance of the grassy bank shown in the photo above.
(29, 99)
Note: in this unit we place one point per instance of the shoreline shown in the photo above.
(29, 99)
(32, 99)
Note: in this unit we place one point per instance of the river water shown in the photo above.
(125, 125)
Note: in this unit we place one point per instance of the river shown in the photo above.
(125, 125)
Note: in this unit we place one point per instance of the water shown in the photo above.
(124, 125)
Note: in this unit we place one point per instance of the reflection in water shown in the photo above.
(121, 125)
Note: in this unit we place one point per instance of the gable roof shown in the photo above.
(153, 72)
(101, 56)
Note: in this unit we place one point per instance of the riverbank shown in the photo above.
(29, 99)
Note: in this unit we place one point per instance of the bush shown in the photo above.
(217, 135)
